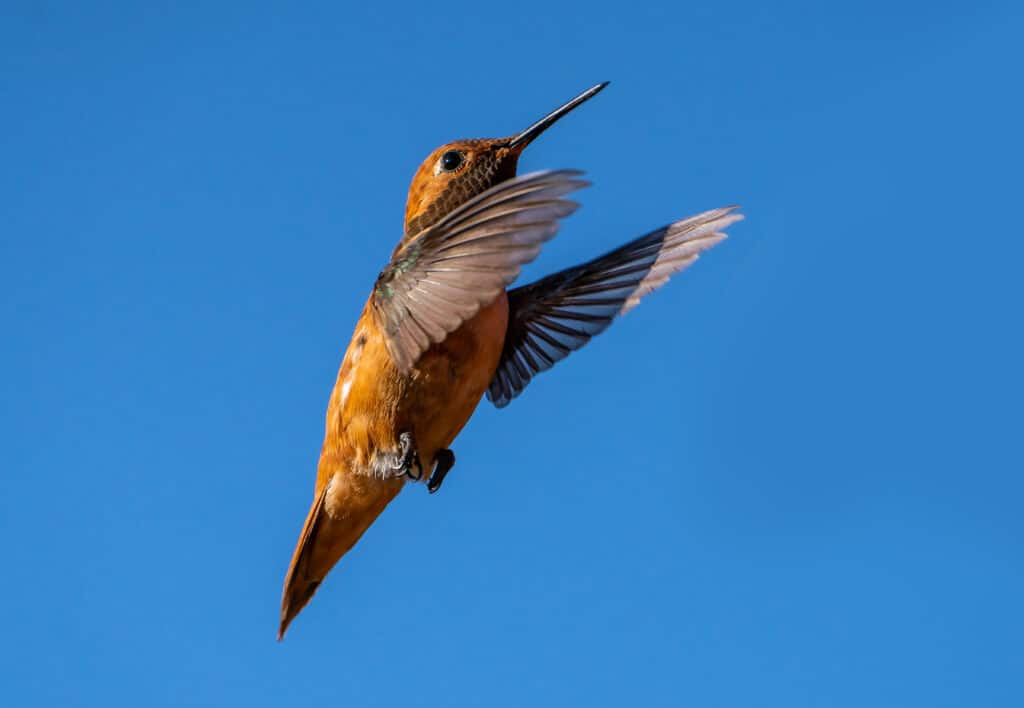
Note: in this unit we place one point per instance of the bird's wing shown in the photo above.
(558, 314)
(442, 276)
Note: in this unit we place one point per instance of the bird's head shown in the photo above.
(454, 173)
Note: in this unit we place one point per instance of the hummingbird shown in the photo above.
(441, 329)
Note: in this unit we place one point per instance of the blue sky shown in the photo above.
(790, 478)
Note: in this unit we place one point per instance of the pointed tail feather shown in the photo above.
(341, 513)
(298, 586)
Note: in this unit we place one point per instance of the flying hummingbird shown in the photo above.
(440, 329)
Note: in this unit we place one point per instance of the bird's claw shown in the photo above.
(408, 457)
(443, 461)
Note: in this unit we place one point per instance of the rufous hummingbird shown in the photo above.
(439, 329)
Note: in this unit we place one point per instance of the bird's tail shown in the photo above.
(342, 511)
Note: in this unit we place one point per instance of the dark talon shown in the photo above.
(408, 457)
(443, 461)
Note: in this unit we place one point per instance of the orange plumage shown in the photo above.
(439, 330)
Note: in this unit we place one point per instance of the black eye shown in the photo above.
(452, 160)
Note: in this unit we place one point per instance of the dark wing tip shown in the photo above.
(553, 317)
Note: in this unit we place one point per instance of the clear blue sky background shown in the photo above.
(791, 478)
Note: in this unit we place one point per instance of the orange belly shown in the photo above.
(451, 378)
(373, 404)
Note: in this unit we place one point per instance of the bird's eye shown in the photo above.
(452, 160)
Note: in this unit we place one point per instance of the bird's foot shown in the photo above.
(408, 457)
(443, 461)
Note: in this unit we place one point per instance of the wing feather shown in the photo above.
(443, 275)
(554, 316)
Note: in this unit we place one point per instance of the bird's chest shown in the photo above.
(373, 403)
(450, 378)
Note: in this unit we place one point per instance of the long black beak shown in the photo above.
(526, 137)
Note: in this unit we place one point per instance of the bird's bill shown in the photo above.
(527, 136)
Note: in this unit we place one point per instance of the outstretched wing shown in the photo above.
(558, 314)
(442, 276)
